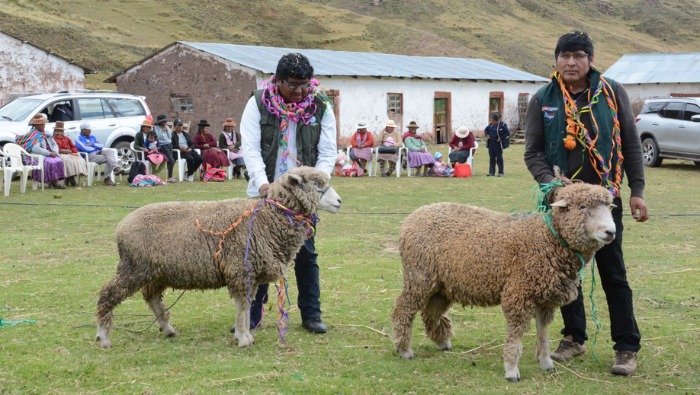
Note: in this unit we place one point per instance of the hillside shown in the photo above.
(108, 36)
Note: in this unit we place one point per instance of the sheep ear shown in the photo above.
(294, 179)
(560, 203)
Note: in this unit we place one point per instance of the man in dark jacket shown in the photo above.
(583, 123)
(290, 123)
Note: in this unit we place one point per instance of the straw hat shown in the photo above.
(462, 132)
(361, 125)
(391, 124)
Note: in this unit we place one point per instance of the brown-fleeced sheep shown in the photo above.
(175, 245)
(486, 258)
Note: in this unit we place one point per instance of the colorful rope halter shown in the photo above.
(295, 219)
(576, 132)
(288, 112)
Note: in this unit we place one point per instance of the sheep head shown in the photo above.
(305, 190)
(581, 214)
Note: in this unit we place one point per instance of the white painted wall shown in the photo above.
(364, 99)
(640, 92)
(27, 69)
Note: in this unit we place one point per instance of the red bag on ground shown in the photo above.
(462, 170)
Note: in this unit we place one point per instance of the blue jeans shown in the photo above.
(613, 276)
(308, 284)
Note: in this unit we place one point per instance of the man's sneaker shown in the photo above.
(567, 350)
(117, 170)
(190, 178)
(108, 182)
(625, 363)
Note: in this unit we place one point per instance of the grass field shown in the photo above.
(58, 249)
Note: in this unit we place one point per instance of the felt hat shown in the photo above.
(412, 125)
(229, 122)
(203, 122)
(391, 124)
(59, 126)
(85, 125)
(146, 122)
(462, 132)
(38, 119)
(161, 118)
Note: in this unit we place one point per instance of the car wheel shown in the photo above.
(125, 155)
(650, 153)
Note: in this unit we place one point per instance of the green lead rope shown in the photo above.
(543, 207)
(13, 323)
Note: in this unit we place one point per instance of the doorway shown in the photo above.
(441, 117)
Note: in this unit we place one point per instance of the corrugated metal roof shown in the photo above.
(651, 68)
(367, 64)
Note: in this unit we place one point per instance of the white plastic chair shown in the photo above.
(14, 156)
(93, 167)
(376, 161)
(470, 160)
(141, 156)
(180, 163)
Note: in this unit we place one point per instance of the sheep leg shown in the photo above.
(243, 335)
(117, 289)
(438, 326)
(153, 295)
(518, 322)
(543, 317)
(407, 305)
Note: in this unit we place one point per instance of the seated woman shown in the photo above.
(232, 140)
(461, 143)
(361, 143)
(418, 154)
(38, 142)
(389, 143)
(211, 153)
(73, 163)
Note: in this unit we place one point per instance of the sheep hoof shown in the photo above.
(104, 343)
(168, 331)
(547, 364)
(407, 354)
(513, 379)
(445, 345)
(244, 339)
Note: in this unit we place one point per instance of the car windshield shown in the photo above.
(18, 109)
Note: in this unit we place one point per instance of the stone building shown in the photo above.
(211, 81)
(26, 68)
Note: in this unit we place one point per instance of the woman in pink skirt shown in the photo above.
(418, 154)
(38, 142)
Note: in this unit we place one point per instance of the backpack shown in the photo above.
(136, 168)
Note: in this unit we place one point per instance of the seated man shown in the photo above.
(88, 143)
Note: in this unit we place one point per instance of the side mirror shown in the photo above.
(695, 118)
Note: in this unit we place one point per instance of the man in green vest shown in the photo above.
(289, 123)
(583, 123)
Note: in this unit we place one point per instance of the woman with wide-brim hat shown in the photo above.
(231, 139)
(205, 142)
(388, 145)
(418, 154)
(73, 163)
(38, 142)
(461, 143)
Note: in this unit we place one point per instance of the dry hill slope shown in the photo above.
(108, 36)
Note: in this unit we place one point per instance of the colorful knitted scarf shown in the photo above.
(576, 132)
(29, 140)
(288, 112)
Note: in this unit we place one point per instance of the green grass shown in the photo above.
(58, 249)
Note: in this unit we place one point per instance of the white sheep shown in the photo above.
(486, 258)
(203, 245)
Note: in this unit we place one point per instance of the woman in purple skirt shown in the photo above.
(38, 142)
(418, 154)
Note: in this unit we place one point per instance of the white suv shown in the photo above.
(115, 117)
(670, 128)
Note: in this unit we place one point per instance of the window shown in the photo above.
(182, 104)
(94, 109)
(672, 110)
(127, 107)
(394, 103)
(690, 110)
